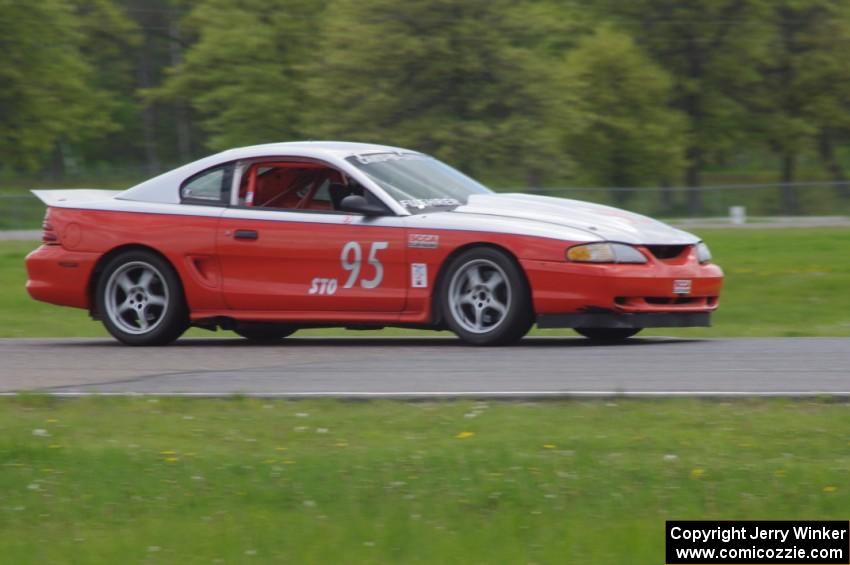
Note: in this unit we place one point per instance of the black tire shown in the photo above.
(469, 305)
(607, 335)
(140, 299)
(261, 332)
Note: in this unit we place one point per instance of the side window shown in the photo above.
(288, 186)
(208, 187)
(322, 194)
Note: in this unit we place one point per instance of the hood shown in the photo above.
(612, 224)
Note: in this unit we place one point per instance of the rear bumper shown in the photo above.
(625, 320)
(59, 276)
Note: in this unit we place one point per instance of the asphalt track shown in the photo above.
(431, 367)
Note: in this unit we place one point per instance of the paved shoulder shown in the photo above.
(20, 235)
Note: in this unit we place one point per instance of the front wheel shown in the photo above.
(485, 298)
(607, 335)
(140, 299)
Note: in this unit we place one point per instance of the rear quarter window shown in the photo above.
(211, 186)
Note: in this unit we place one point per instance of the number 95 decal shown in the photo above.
(351, 259)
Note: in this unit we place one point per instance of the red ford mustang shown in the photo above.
(268, 239)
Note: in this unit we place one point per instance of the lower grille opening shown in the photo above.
(677, 300)
(669, 301)
(667, 251)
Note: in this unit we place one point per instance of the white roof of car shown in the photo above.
(164, 188)
(336, 148)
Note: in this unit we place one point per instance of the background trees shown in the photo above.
(242, 73)
(529, 93)
(625, 133)
(466, 81)
(803, 85)
(711, 48)
(49, 96)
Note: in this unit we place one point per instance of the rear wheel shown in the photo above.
(485, 299)
(140, 299)
(609, 335)
(264, 332)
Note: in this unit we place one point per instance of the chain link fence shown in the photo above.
(24, 211)
(768, 199)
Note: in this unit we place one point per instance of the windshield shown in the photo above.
(418, 182)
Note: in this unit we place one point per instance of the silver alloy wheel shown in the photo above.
(479, 296)
(136, 297)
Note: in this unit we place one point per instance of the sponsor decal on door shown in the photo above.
(419, 275)
(423, 240)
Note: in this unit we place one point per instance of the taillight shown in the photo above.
(48, 234)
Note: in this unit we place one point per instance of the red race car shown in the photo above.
(268, 239)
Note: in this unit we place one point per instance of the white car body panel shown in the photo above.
(164, 188)
(520, 214)
(74, 197)
(605, 222)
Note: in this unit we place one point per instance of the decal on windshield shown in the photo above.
(428, 202)
(384, 157)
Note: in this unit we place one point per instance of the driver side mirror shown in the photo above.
(359, 204)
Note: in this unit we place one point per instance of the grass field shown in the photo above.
(253, 481)
(779, 283)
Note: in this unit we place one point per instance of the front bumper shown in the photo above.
(625, 320)
(604, 295)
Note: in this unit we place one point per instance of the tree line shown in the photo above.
(522, 92)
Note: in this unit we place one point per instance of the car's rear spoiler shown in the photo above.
(70, 197)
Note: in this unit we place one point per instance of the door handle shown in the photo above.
(246, 234)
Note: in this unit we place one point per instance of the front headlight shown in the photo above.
(605, 253)
(703, 253)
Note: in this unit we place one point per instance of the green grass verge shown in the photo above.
(779, 283)
(244, 481)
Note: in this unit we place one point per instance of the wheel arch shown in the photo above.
(104, 260)
(436, 310)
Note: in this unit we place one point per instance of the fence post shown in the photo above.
(737, 215)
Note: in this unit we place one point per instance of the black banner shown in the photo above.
(696, 542)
